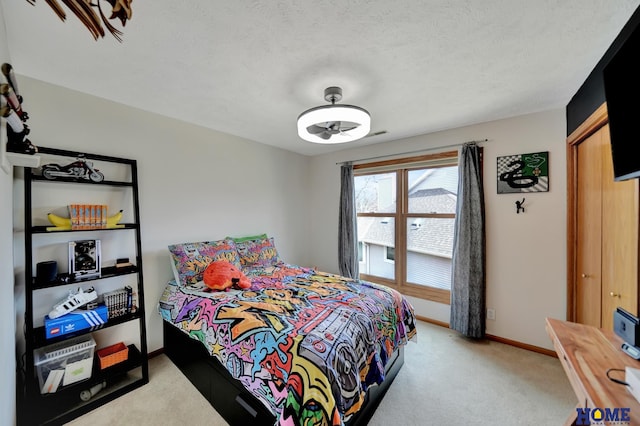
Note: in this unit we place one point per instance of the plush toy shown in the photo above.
(221, 275)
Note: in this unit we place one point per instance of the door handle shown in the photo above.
(612, 294)
(585, 275)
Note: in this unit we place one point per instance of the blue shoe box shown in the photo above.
(74, 321)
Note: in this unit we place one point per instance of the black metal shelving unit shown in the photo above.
(65, 404)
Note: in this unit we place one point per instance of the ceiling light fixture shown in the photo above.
(333, 123)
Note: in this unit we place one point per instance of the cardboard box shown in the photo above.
(64, 363)
(79, 319)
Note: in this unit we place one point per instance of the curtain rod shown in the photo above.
(412, 152)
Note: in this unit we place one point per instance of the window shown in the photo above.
(406, 215)
(390, 254)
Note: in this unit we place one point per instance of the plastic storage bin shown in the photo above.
(64, 363)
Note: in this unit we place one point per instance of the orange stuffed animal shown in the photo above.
(221, 275)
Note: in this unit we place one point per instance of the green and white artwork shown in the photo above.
(523, 173)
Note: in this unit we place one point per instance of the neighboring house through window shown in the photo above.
(406, 214)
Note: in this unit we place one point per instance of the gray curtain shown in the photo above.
(468, 264)
(347, 227)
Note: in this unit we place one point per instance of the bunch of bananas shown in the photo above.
(64, 223)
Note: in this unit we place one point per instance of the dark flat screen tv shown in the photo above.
(621, 77)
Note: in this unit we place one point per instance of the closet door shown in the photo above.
(588, 230)
(606, 237)
(619, 239)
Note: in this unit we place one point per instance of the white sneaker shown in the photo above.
(73, 302)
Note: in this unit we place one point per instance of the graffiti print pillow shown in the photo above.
(258, 253)
(191, 259)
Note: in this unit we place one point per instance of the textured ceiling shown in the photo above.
(249, 68)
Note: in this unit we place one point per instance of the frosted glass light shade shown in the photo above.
(331, 113)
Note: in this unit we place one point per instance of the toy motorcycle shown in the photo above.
(79, 169)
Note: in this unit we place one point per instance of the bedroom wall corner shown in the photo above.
(526, 253)
(8, 366)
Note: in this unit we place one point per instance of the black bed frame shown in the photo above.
(231, 400)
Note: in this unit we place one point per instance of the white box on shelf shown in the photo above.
(85, 258)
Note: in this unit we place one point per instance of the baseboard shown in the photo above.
(498, 339)
(155, 353)
(526, 346)
(432, 321)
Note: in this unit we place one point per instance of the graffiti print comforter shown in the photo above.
(307, 344)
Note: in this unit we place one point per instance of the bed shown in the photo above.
(299, 346)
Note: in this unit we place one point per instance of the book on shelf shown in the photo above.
(94, 215)
(103, 216)
(129, 301)
(119, 302)
(88, 216)
(82, 216)
(73, 215)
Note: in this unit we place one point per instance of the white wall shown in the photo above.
(195, 184)
(7, 360)
(526, 252)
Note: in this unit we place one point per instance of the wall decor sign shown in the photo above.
(523, 173)
(84, 258)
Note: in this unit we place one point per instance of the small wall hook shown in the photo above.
(520, 206)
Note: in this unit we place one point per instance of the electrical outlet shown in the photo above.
(491, 314)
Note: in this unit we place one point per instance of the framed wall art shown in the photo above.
(84, 258)
(523, 173)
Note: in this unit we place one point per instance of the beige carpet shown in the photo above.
(446, 380)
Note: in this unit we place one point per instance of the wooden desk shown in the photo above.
(586, 353)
